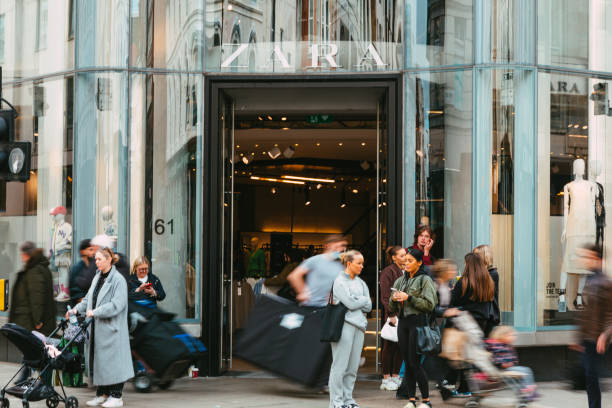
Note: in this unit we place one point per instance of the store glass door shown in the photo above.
(300, 163)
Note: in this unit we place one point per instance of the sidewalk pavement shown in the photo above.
(260, 390)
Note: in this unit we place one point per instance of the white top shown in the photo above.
(579, 198)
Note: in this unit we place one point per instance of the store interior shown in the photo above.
(304, 167)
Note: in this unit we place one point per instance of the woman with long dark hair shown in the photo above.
(391, 356)
(413, 298)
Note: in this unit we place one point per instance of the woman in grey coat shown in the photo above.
(108, 350)
(353, 293)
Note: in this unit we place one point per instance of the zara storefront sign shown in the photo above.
(316, 56)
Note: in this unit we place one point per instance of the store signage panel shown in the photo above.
(306, 56)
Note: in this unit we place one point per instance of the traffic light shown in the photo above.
(15, 157)
(600, 97)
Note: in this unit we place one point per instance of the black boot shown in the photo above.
(23, 376)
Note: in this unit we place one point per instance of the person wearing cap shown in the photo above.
(82, 273)
(32, 304)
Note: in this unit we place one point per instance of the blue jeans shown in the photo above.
(592, 361)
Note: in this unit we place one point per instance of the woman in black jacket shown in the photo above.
(145, 288)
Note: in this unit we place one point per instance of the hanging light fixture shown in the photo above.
(343, 203)
(274, 152)
(307, 201)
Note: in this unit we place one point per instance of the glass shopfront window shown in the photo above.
(439, 33)
(40, 210)
(44, 47)
(574, 175)
(440, 118)
(101, 177)
(303, 36)
(165, 161)
(167, 34)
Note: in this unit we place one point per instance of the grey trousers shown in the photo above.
(346, 354)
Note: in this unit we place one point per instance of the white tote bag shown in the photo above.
(389, 332)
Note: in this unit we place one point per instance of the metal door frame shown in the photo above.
(211, 281)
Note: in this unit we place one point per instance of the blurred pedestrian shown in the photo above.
(312, 281)
(32, 304)
(595, 321)
(391, 355)
(413, 298)
(423, 241)
(444, 272)
(353, 293)
(108, 350)
(486, 254)
(82, 273)
(145, 288)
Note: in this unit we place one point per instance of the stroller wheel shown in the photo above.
(143, 382)
(53, 402)
(4, 402)
(165, 385)
(72, 402)
(473, 403)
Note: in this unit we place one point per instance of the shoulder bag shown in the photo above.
(388, 331)
(333, 320)
(429, 338)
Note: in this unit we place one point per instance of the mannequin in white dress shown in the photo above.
(579, 229)
(61, 252)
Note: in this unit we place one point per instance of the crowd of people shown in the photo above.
(417, 291)
(101, 285)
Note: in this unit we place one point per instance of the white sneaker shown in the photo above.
(96, 401)
(62, 297)
(397, 380)
(388, 385)
(113, 402)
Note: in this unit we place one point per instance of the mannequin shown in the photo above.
(600, 211)
(579, 229)
(61, 252)
(110, 227)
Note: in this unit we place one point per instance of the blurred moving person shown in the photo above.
(391, 356)
(353, 293)
(413, 298)
(595, 322)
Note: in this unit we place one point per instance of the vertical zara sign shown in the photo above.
(320, 56)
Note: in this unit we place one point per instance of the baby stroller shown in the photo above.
(37, 357)
(161, 350)
(464, 349)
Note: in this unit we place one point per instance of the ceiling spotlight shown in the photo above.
(274, 153)
(260, 118)
(570, 125)
(340, 144)
(584, 127)
(365, 165)
(237, 146)
(269, 117)
(288, 153)
(319, 186)
(318, 144)
(274, 190)
(245, 159)
(307, 201)
(285, 128)
(363, 143)
(355, 191)
(576, 126)
(284, 118)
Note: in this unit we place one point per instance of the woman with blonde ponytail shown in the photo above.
(353, 293)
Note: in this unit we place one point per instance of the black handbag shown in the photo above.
(333, 320)
(429, 338)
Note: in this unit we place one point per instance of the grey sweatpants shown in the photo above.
(346, 354)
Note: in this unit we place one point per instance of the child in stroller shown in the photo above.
(464, 348)
(43, 358)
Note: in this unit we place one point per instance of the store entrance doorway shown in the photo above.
(298, 163)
